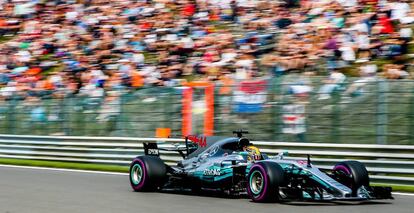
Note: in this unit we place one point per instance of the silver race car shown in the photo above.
(236, 167)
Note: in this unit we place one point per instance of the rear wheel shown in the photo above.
(147, 173)
(352, 174)
(264, 180)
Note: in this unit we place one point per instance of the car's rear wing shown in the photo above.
(152, 148)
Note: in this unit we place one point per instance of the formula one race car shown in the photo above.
(235, 167)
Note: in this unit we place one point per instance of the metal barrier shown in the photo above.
(386, 163)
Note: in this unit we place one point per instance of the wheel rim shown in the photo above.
(345, 175)
(256, 182)
(136, 174)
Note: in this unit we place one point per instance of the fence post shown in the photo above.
(336, 118)
(165, 96)
(11, 116)
(217, 113)
(276, 99)
(43, 125)
(120, 123)
(80, 116)
(65, 117)
(382, 108)
(410, 132)
(168, 107)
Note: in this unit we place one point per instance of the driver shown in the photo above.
(253, 152)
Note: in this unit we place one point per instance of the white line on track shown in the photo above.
(404, 194)
(64, 170)
(112, 173)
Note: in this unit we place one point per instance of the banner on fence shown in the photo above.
(250, 96)
(294, 119)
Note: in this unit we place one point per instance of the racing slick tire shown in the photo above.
(352, 174)
(263, 181)
(147, 173)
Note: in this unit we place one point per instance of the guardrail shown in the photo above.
(386, 163)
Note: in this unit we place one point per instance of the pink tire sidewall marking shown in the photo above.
(343, 168)
(144, 171)
(265, 183)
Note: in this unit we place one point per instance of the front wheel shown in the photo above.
(147, 173)
(352, 174)
(264, 180)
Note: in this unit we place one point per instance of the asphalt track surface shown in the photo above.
(46, 191)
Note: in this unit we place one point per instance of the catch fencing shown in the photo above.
(386, 163)
(290, 108)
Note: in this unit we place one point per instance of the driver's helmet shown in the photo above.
(254, 153)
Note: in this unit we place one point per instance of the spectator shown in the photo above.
(368, 75)
(394, 71)
(99, 46)
(385, 24)
(333, 83)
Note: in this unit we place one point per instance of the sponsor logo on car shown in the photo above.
(153, 152)
(212, 172)
(201, 141)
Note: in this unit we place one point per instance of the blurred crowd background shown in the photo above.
(91, 47)
(99, 50)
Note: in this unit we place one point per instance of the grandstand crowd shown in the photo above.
(92, 47)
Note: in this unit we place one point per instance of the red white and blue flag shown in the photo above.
(250, 96)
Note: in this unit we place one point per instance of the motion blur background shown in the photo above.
(330, 71)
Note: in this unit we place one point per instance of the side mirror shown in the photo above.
(282, 154)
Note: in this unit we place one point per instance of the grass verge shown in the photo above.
(66, 165)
